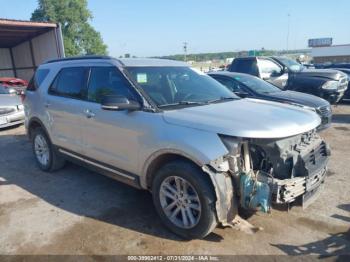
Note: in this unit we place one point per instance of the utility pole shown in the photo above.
(185, 50)
(288, 32)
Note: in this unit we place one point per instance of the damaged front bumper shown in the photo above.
(258, 173)
(288, 190)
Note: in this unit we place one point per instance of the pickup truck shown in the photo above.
(287, 74)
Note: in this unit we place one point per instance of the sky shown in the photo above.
(160, 27)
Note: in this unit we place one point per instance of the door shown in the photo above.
(272, 73)
(111, 137)
(64, 107)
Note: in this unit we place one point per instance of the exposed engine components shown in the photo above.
(258, 172)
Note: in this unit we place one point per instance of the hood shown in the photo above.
(299, 98)
(324, 73)
(249, 118)
(9, 100)
(344, 70)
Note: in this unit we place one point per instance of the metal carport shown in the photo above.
(24, 45)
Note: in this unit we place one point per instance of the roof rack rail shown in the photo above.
(79, 58)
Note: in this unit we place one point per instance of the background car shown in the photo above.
(346, 70)
(288, 74)
(17, 84)
(333, 65)
(11, 108)
(245, 85)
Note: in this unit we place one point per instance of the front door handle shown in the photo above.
(89, 113)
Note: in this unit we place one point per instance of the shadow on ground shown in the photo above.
(345, 207)
(334, 245)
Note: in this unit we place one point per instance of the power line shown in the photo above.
(288, 31)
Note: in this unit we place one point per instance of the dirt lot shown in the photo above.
(76, 211)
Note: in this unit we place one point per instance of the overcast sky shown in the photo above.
(159, 27)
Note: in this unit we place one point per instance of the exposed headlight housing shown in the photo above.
(221, 164)
(330, 85)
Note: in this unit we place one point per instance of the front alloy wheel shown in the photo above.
(184, 198)
(180, 202)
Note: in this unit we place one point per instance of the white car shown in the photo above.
(11, 108)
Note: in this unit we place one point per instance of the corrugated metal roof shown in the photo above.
(13, 22)
(14, 32)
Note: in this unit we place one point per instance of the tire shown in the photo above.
(54, 161)
(198, 183)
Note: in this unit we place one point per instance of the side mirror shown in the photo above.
(118, 103)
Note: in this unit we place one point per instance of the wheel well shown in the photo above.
(161, 161)
(32, 126)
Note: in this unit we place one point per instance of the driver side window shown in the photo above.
(107, 81)
(268, 67)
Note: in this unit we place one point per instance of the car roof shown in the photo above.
(130, 62)
(127, 62)
(229, 74)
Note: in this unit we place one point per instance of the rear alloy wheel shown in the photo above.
(185, 199)
(41, 149)
(46, 157)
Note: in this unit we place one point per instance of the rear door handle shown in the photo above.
(47, 105)
(89, 113)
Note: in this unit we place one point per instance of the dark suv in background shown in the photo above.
(287, 74)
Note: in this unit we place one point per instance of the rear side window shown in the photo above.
(70, 82)
(229, 83)
(107, 81)
(37, 79)
(248, 66)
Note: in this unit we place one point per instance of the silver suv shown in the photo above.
(162, 126)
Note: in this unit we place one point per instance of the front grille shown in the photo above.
(324, 110)
(6, 110)
(316, 158)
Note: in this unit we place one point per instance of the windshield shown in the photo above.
(257, 85)
(171, 86)
(291, 64)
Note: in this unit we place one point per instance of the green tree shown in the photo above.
(79, 36)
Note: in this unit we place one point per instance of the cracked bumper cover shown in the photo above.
(288, 190)
(260, 188)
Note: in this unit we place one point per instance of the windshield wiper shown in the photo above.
(223, 98)
(180, 103)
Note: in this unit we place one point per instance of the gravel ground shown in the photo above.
(76, 211)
